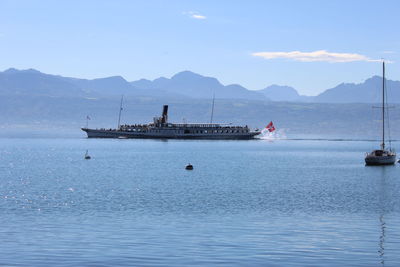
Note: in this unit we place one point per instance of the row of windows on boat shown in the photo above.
(189, 131)
(125, 126)
(134, 125)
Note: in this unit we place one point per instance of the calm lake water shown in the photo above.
(250, 203)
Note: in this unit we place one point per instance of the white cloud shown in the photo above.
(320, 55)
(194, 15)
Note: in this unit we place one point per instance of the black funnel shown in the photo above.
(164, 118)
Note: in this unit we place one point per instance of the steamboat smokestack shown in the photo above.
(164, 118)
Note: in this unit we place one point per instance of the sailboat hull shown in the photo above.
(380, 160)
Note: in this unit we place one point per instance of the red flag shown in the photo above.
(270, 127)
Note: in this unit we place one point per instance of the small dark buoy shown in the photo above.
(189, 167)
(87, 155)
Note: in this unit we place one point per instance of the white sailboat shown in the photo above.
(382, 156)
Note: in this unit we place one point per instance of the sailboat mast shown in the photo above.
(212, 109)
(383, 106)
(120, 110)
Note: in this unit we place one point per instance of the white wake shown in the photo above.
(275, 135)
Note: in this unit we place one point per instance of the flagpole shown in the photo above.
(87, 121)
(383, 105)
(120, 110)
(212, 109)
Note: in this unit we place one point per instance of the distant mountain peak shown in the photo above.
(284, 93)
(32, 71)
(279, 87)
(143, 80)
(374, 78)
(11, 70)
(160, 79)
(365, 92)
(117, 77)
(112, 78)
(142, 83)
(187, 75)
(14, 70)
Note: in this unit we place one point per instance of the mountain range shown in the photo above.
(33, 103)
(185, 84)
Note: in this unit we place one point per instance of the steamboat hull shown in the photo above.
(167, 134)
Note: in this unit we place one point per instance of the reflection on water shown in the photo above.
(382, 207)
(382, 240)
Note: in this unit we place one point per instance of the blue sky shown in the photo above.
(251, 43)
